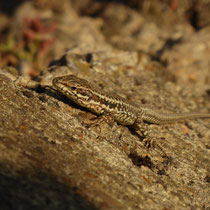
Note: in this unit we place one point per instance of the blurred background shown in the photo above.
(32, 33)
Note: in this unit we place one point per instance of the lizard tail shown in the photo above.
(160, 118)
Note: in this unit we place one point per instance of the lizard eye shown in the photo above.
(73, 88)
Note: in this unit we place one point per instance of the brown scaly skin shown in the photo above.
(97, 101)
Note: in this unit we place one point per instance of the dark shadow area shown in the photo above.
(141, 161)
(37, 190)
(9, 6)
(63, 61)
(168, 45)
(147, 162)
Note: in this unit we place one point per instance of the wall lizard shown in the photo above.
(99, 102)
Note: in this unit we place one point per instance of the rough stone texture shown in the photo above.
(50, 159)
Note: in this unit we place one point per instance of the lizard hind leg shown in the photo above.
(142, 129)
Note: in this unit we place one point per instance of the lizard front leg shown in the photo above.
(105, 117)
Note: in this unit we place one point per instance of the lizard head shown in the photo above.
(73, 87)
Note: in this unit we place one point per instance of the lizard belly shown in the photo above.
(124, 119)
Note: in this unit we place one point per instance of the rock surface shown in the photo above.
(50, 159)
